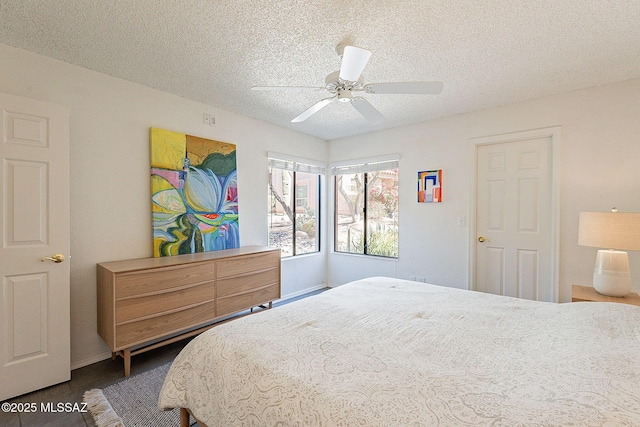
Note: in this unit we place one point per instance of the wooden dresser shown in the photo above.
(150, 299)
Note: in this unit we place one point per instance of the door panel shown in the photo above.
(26, 310)
(493, 280)
(26, 217)
(495, 204)
(514, 217)
(528, 274)
(34, 211)
(528, 210)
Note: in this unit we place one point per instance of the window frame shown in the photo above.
(299, 165)
(364, 166)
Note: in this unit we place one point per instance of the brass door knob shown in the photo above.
(57, 258)
(481, 239)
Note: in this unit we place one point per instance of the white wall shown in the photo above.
(110, 185)
(600, 168)
(110, 190)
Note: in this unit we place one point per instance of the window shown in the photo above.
(294, 205)
(366, 208)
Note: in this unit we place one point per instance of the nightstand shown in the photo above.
(587, 293)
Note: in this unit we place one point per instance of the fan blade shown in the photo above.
(354, 59)
(286, 88)
(408, 88)
(367, 110)
(312, 110)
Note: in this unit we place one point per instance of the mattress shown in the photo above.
(389, 352)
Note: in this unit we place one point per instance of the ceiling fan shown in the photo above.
(345, 84)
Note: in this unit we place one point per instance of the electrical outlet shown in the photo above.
(208, 119)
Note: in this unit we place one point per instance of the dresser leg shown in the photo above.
(127, 361)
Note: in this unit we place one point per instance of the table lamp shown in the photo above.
(618, 231)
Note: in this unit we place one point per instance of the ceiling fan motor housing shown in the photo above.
(344, 95)
(333, 82)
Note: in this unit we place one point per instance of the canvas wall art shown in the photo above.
(430, 186)
(194, 194)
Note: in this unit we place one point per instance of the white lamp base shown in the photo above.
(611, 275)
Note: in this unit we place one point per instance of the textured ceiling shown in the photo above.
(487, 52)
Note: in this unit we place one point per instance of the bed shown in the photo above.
(389, 352)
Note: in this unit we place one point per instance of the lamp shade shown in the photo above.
(612, 230)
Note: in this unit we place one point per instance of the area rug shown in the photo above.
(132, 402)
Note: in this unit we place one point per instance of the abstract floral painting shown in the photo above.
(194, 194)
(430, 186)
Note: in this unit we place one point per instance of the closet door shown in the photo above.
(514, 218)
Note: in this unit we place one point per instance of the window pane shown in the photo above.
(382, 213)
(307, 206)
(349, 217)
(280, 214)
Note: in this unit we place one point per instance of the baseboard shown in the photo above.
(90, 360)
(302, 292)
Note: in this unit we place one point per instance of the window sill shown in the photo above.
(363, 256)
(309, 255)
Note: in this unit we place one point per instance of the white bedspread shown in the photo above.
(388, 352)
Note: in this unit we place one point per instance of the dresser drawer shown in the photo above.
(245, 264)
(241, 284)
(138, 307)
(237, 302)
(143, 282)
(138, 331)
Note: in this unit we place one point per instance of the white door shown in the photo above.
(514, 218)
(34, 207)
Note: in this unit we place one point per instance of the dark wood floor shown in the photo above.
(97, 375)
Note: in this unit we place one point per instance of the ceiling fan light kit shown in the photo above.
(342, 84)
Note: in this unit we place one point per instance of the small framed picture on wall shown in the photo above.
(430, 186)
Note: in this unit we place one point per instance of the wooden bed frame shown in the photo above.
(184, 418)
